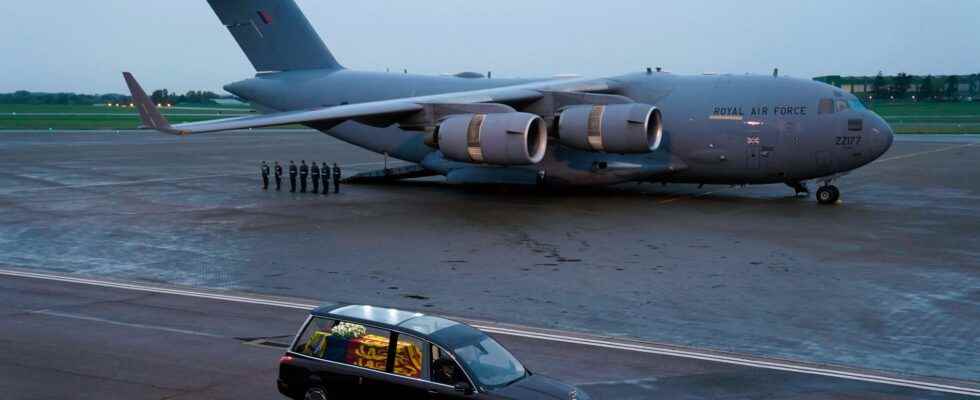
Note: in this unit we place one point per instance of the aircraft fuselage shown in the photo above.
(718, 129)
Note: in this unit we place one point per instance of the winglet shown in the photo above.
(148, 111)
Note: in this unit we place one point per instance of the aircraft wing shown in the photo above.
(377, 113)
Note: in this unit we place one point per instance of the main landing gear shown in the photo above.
(828, 194)
(800, 188)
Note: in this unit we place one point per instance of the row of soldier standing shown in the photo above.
(304, 172)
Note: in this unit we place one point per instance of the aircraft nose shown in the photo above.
(886, 135)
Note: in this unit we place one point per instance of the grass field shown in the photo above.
(905, 117)
(890, 109)
(930, 117)
(57, 117)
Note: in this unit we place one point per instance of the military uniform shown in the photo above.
(292, 177)
(265, 176)
(278, 176)
(304, 175)
(315, 177)
(326, 178)
(336, 178)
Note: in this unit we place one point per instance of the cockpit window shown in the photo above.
(842, 106)
(826, 106)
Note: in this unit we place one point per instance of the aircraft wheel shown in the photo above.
(828, 195)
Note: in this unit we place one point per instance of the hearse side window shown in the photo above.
(826, 106)
(345, 342)
(444, 370)
(311, 342)
(409, 358)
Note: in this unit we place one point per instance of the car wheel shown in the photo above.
(316, 393)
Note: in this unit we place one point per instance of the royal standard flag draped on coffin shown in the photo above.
(371, 351)
(368, 351)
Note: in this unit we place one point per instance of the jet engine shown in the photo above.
(618, 128)
(512, 138)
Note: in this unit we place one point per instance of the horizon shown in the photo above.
(197, 53)
(223, 94)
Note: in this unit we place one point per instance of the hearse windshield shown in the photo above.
(490, 363)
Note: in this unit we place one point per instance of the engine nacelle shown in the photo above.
(503, 139)
(618, 128)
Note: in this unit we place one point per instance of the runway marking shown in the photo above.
(922, 153)
(159, 180)
(159, 290)
(125, 324)
(735, 360)
(540, 335)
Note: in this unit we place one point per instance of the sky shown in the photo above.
(82, 46)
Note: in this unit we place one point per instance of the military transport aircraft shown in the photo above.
(650, 126)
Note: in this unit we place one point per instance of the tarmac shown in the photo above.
(886, 281)
(62, 338)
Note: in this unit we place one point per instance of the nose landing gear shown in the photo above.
(828, 195)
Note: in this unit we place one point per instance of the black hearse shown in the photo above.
(365, 352)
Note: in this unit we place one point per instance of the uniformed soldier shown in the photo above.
(278, 176)
(315, 177)
(304, 175)
(292, 176)
(336, 178)
(326, 178)
(265, 176)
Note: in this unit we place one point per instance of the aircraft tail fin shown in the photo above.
(274, 34)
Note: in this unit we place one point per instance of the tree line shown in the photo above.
(162, 96)
(35, 98)
(906, 86)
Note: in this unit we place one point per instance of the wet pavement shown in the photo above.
(82, 341)
(889, 280)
